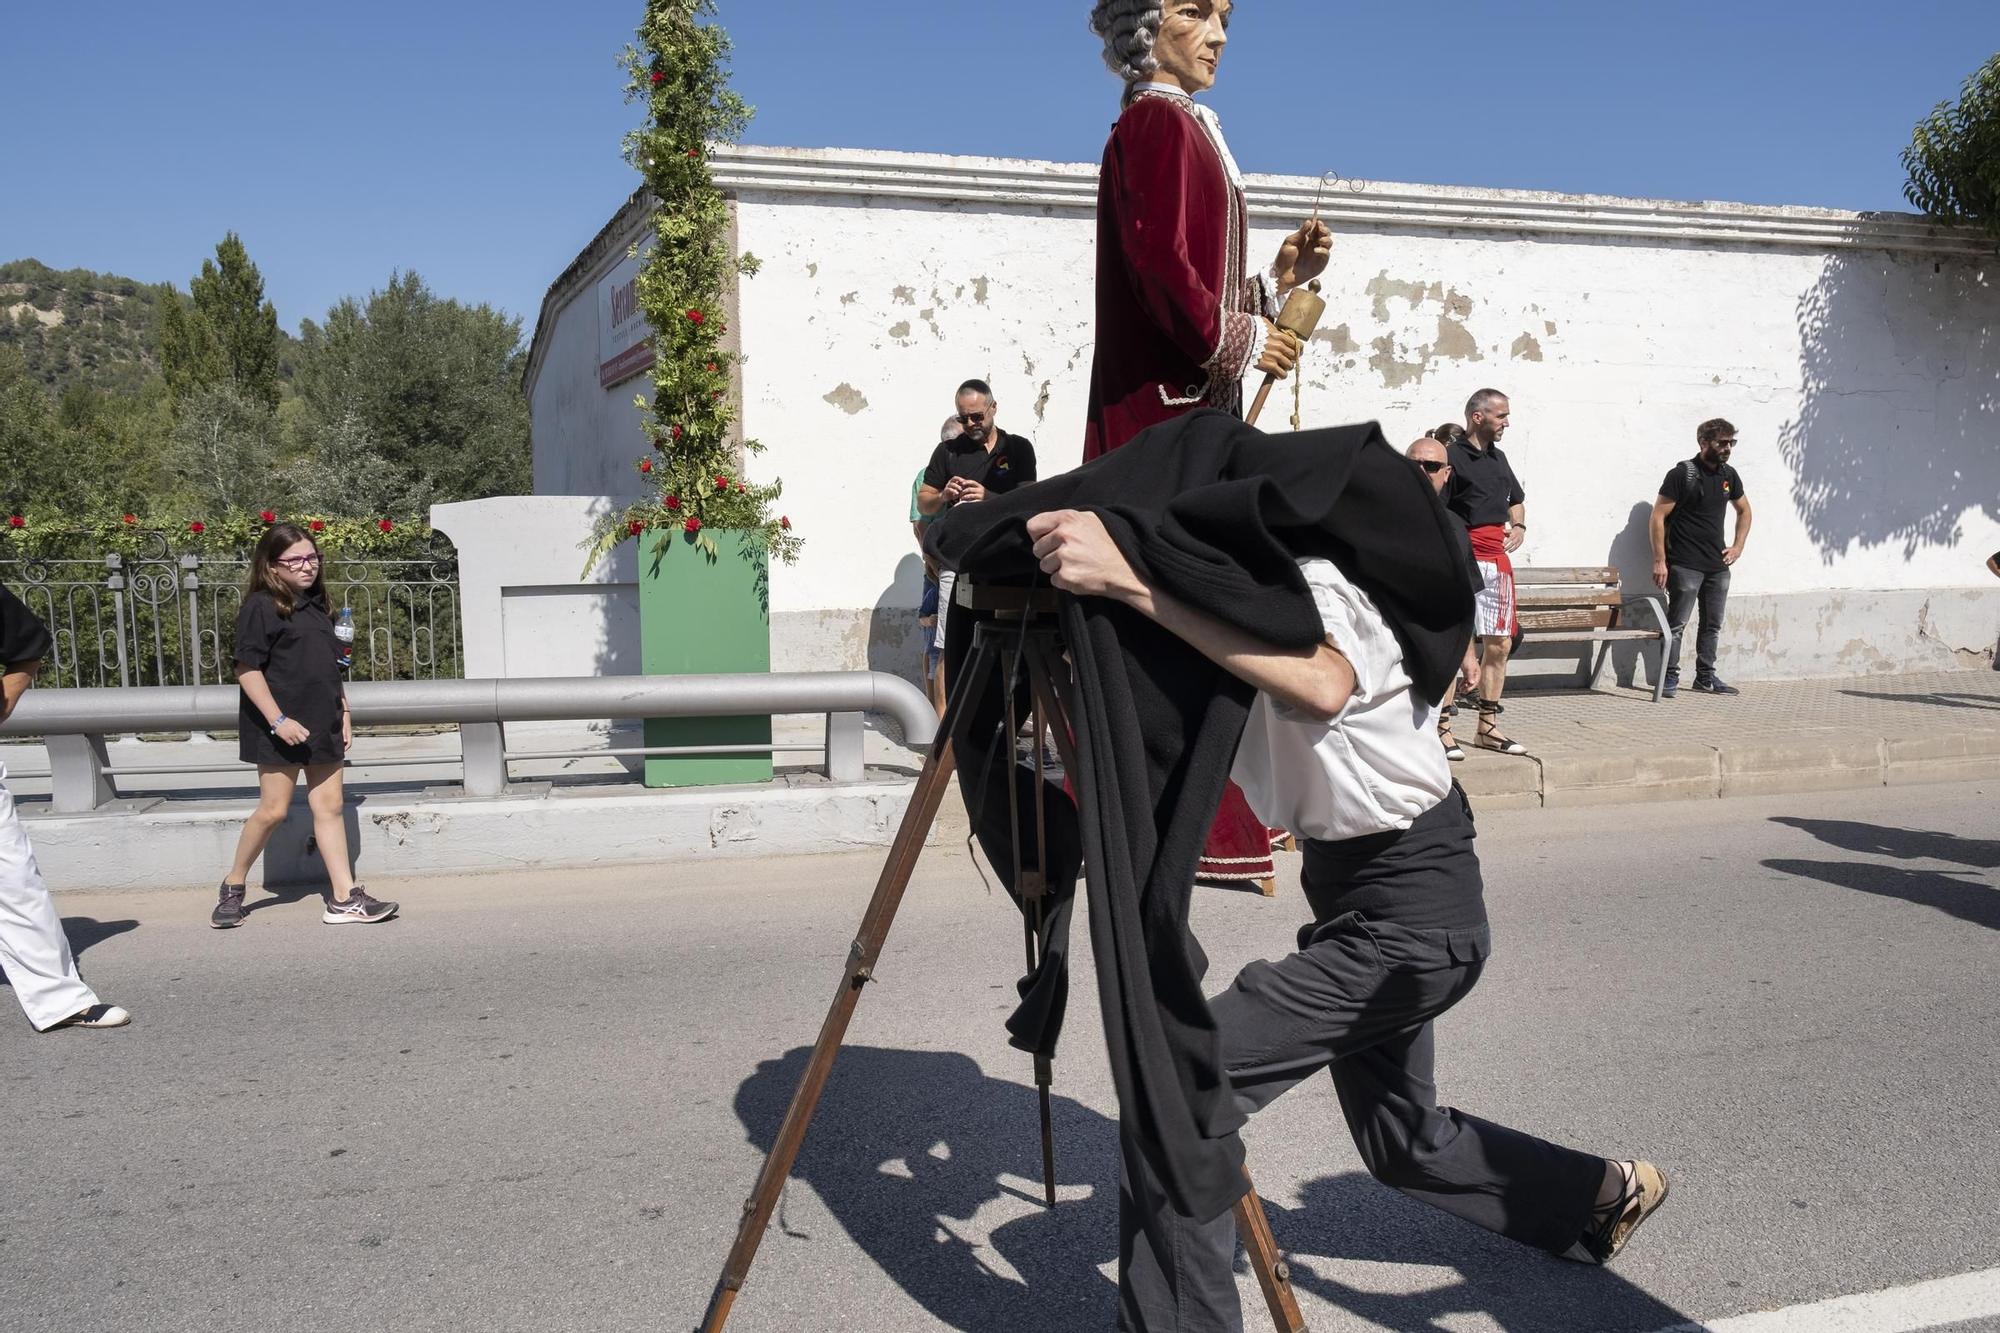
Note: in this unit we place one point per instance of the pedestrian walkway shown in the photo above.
(1615, 744)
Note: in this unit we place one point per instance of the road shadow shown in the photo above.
(1350, 1217)
(1970, 900)
(1906, 844)
(1941, 698)
(1879, 455)
(82, 932)
(908, 1147)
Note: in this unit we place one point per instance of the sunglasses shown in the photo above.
(300, 561)
(971, 418)
(1430, 465)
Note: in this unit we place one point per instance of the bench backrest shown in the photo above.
(1567, 599)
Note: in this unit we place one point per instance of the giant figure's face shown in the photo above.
(1189, 47)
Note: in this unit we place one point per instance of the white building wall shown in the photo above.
(1859, 358)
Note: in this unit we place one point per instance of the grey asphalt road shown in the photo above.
(537, 1101)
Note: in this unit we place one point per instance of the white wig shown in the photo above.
(1128, 28)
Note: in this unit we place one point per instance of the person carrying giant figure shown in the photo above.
(1180, 319)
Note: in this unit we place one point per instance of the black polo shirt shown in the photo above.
(1010, 463)
(1483, 486)
(23, 637)
(1694, 528)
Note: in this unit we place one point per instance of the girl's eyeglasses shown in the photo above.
(299, 561)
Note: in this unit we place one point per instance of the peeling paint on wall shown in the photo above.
(847, 398)
(1394, 372)
(1382, 287)
(1042, 402)
(1455, 341)
(1338, 340)
(906, 295)
(1549, 327)
(900, 329)
(929, 316)
(1527, 349)
(812, 270)
(979, 290)
(849, 298)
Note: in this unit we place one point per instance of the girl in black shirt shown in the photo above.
(293, 716)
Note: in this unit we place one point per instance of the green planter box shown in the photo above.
(698, 616)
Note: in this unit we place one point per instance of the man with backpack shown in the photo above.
(1690, 560)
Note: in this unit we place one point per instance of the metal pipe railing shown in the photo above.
(74, 723)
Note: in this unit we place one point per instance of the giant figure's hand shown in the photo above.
(1303, 255)
(1079, 556)
(1280, 354)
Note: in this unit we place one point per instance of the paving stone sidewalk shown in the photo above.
(1615, 744)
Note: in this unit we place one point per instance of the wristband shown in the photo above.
(279, 721)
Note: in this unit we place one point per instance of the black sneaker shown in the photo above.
(1713, 685)
(1670, 686)
(359, 907)
(228, 908)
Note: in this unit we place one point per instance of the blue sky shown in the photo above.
(478, 143)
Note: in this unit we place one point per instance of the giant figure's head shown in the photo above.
(1171, 41)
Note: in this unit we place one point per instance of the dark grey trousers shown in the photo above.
(1357, 1000)
(1689, 590)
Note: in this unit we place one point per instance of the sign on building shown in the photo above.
(624, 339)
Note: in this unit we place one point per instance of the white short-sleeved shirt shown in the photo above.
(1374, 767)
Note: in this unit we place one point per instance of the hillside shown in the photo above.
(77, 326)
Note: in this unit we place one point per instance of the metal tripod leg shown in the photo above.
(859, 970)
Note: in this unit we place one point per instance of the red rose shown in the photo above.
(659, 77)
(784, 523)
(645, 465)
(694, 152)
(710, 367)
(696, 316)
(16, 521)
(673, 502)
(692, 525)
(317, 525)
(131, 518)
(722, 483)
(674, 431)
(197, 527)
(385, 525)
(267, 516)
(637, 527)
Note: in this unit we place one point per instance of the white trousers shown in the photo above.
(33, 949)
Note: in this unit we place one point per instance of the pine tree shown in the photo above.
(227, 333)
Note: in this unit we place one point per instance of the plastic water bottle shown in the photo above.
(343, 630)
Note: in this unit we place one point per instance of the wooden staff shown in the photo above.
(1299, 317)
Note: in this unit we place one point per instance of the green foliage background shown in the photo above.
(1954, 155)
(122, 397)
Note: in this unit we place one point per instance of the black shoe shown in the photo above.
(359, 907)
(1714, 686)
(228, 908)
(1670, 686)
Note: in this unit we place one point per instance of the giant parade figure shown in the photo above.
(1180, 319)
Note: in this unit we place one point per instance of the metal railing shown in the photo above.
(75, 723)
(155, 615)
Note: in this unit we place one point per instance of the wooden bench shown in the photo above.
(1588, 607)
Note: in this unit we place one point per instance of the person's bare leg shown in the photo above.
(328, 799)
(274, 798)
(1493, 665)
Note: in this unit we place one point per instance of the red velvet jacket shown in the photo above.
(1176, 314)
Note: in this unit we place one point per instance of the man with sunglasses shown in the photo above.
(983, 460)
(1690, 563)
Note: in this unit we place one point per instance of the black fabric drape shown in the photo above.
(23, 637)
(1218, 514)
